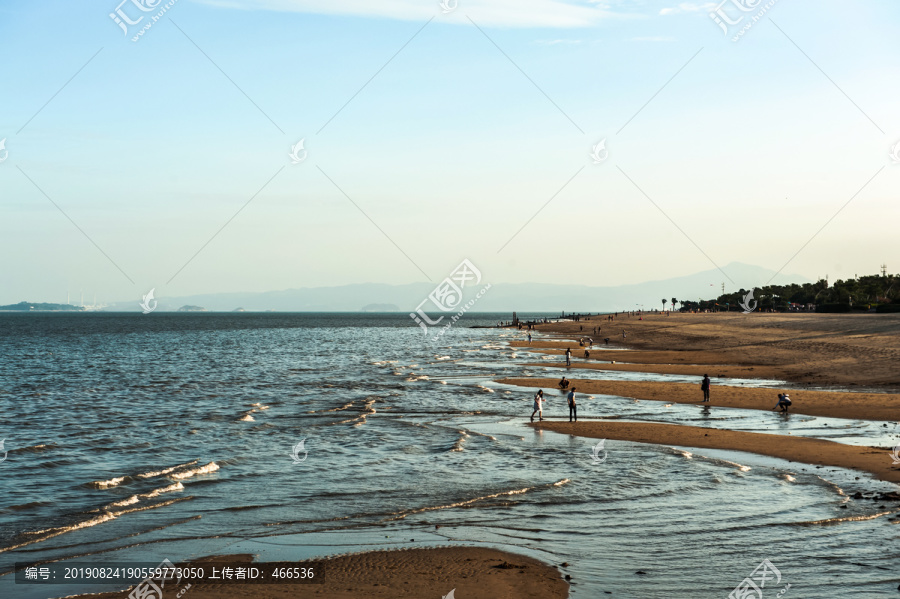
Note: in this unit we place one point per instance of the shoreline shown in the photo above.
(473, 572)
(806, 450)
(828, 404)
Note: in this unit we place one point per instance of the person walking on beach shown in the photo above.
(538, 402)
(529, 337)
(573, 411)
(568, 357)
(704, 386)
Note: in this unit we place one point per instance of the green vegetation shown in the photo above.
(878, 292)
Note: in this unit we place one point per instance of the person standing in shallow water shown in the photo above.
(538, 403)
(573, 410)
(704, 386)
(568, 357)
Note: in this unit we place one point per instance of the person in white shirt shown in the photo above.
(538, 403)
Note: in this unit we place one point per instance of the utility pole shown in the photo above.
(884, 270)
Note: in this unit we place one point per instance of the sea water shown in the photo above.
(134, 437)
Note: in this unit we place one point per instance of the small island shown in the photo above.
(191, 309)
(40, 307)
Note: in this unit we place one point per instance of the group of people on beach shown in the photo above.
(570, 401)
(784, 400)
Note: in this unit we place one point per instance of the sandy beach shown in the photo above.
(474, 573)
(824, 349)
(820, 349)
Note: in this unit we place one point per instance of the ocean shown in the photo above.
(133, 437)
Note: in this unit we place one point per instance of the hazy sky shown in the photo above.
(450, 131)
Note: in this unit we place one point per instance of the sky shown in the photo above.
(436, 133)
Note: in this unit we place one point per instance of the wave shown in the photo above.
(33, 448)
(211, 467)
(458, 446)
(247, 418)
(485, 389)
(831, 521)
(150, 495)
(155, 473)
(108, 484)
(404, 513)
(25, 506)
(38, 536)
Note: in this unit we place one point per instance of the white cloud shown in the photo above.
(501, 13)
(687, 7)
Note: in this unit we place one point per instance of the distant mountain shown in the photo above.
(501, 297)
(380, 308)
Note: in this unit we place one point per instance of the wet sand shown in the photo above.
(841, 351)
(475, 573)
(816, 452)
(829, 404)
(820, 349)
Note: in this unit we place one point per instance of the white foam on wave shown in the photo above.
(403, 514)
(247, 418)
(124, 502)
(106, 484)
(211, 467)
(829, 521)
(485, 389)
(740, 467)
(38, 536)
(155, 473)
(150, 495)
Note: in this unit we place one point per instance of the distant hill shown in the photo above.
(37, 307)
(502, 297)
(381, 308)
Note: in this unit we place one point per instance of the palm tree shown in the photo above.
(674, 301)
(664, 304)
